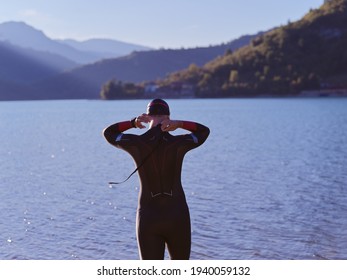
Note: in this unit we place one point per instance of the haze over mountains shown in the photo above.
(34, 66)
(104, 48)
(25, 36)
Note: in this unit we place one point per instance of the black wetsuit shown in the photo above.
(163, 214)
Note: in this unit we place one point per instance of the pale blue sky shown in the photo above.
(155, 23)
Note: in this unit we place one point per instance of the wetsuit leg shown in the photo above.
(151, 247)
(151, 244)
(167, 224)
(178, 238)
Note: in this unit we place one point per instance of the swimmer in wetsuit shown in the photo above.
(163, 214)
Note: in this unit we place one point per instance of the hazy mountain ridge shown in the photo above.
(105, 48)
(23, 35)
(27, 56)
(22, 65)
(14, 91)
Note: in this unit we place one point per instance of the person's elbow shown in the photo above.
(206, 132)
(107, 135)
(203, 135)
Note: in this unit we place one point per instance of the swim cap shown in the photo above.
(158, 107)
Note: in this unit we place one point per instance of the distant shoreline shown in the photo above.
(324, 93)
(303, 94)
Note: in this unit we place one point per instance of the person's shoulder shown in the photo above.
(178, 137)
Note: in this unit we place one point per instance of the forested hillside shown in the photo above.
(304, 55)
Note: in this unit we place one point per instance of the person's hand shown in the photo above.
(170, 125)
(144, 118)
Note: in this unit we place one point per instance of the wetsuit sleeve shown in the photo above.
(113, 134)
(199, 132)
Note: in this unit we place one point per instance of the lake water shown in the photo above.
(269, 183)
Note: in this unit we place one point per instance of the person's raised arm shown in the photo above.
(198, 130)
(112, 132)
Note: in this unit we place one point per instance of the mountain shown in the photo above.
(309, 54)
(104, 48)
(86, 81)
(13, 91)
(23, 35)
(23, 65)
(27, 56)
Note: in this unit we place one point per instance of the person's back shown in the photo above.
(163, 215)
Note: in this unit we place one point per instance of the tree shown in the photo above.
(234, 76)
(193, 68)
(228, 52)
(110, 90)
